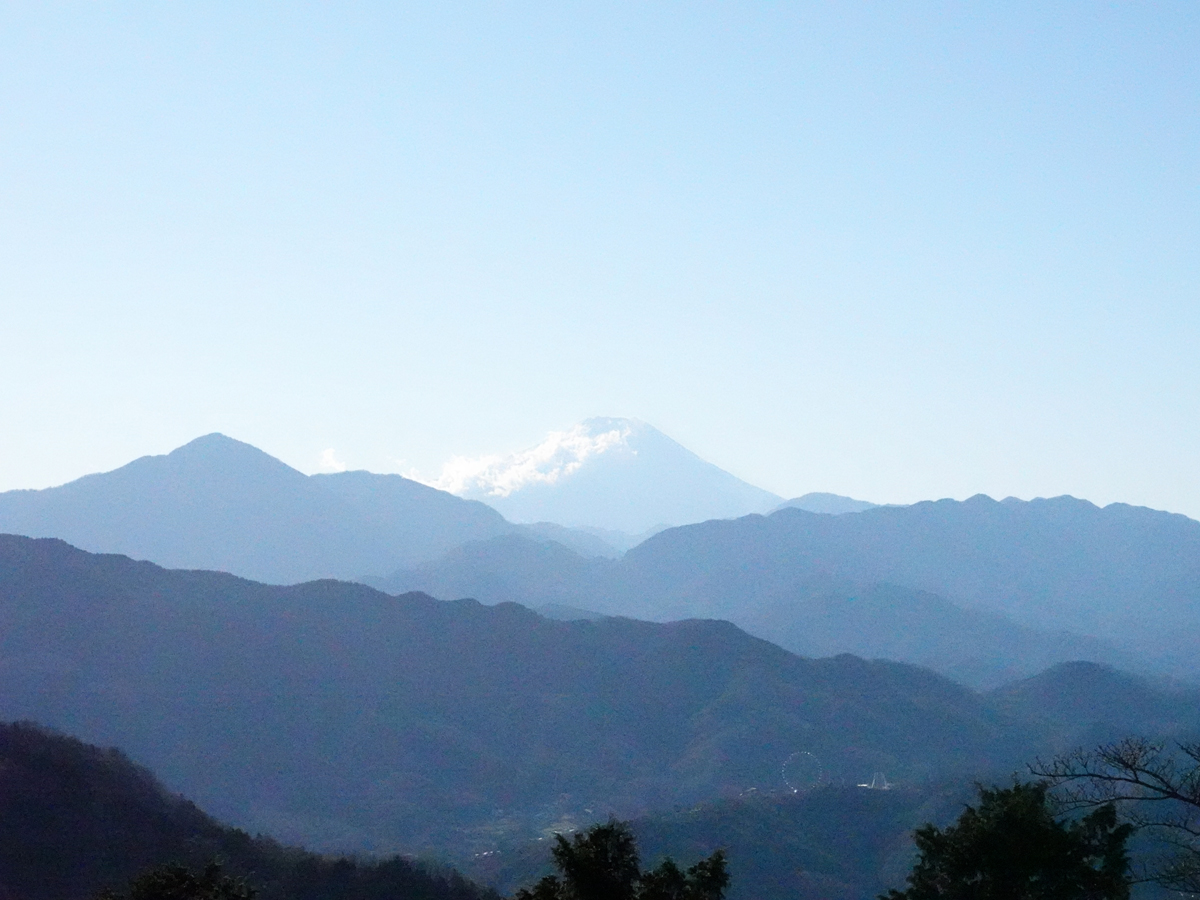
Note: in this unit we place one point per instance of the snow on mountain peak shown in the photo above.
(613, 474)
(562, 453)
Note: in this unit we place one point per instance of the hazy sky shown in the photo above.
(897, 251)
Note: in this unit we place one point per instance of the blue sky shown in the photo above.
(898, 251)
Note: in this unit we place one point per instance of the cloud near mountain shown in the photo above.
(561, 454)
(607, 473)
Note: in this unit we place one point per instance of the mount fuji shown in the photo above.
(606, 474)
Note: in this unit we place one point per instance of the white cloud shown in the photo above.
(330, 462)
(559, 455)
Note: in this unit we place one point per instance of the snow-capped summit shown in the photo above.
(618, 474)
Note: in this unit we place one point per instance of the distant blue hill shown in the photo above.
(1128, 576)
(982, 590)
(832, 504)
(809, 614)
(217, 503)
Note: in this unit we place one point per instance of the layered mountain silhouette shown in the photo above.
(606, 473)
(808, 613)
(981, 590)
(336, 714)
(217, 503)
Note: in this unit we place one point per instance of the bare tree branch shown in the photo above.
(1157, 788)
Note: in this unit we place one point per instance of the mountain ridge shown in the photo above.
(981, 552)
(331, 713)
(218, 503)
(1113, 585)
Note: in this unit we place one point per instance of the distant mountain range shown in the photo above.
(981, 590)
(808, 613)
(346, 718)
(217, 503)
(617, 474)
(352, 719)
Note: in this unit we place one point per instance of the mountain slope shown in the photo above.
(349, 718)
(1124, 574)
(217, 503)
(802, 610)
(75, 819)
(617, 474)
(1085, 704)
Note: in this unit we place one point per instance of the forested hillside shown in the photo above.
(836, 842)
(75, 819)
(342, 717)
(336, 714)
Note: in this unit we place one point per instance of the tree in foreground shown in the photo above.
(173, 882)
(602, 864)
(1157, 786)
(1011, 847)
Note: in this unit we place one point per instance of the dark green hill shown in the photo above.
(345, 717)
(75, 819)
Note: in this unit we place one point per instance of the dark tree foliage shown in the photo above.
(602, 864)
(1011, 847)
(706, 880)
(75, 819)
(174, 882)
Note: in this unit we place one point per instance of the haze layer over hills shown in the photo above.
(810, 613)
(981, 590)
(345, 717)
(608, 473)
